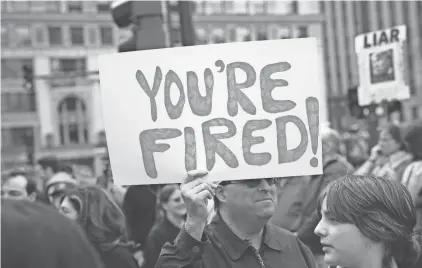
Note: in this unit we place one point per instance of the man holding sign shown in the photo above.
(247, 112)
(239, 235)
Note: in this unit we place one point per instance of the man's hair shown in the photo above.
(49, 162)
(31, 185)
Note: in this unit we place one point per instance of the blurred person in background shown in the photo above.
(389, 157)
(18, 185)
(139, 207)
(356, 145)
(335, 165)
(368, 221)
(104, 224)
(106, 181)
(412, 176)
(172, 216)
(35, 235)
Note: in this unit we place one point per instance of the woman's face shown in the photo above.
(387, 144)
(68, 210)
(343, 243)
(175, 205)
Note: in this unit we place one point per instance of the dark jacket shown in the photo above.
(220, 247)
(139, 209)
(164, 231)
(334, 168)
(118, 257)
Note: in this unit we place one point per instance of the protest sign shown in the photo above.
(240, 110)
(381, 66)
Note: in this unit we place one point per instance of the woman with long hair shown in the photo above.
(104, 223)
(389, 157)
(368, 221)
(171, 217)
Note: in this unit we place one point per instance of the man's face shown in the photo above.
(251, 198)
(15, 188)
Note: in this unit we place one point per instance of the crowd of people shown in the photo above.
(353, 215)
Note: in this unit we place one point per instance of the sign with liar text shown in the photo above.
(239, 110)
(381, 66)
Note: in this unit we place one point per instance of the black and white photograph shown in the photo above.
(211, 134)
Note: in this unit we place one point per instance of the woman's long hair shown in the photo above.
(163, 197)
(100, 216)
(383, 211)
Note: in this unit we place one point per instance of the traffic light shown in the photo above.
(355, 109)
(145, 18)
(28, 77)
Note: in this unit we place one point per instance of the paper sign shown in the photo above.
(381, 66)
(239, 110)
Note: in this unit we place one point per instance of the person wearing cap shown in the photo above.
(57, 186)
(239, 234)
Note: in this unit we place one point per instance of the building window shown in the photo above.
(77, 35)
(309, 7)
(68, 66)
(4, 35)
(17, 137)
(242, 34)
(257, 7)
(213, 7)
(302, 32)
(18, 6)
(106, 34)
(74, 6)
(17, 102)
(217, 36)
(21, 36)
(281, 7)
(200, 6)
(415, 112)
(103, 6)
(73, 121)
(201, 36)
(55, 36)
(12, 68)
(45, 6)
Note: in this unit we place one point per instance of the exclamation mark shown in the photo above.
(312, 110)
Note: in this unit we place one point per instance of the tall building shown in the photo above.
(60, 41)
(238, 21)
(344, 20)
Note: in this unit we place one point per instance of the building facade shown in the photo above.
(344, 20)
(239, 21)
(60, 41)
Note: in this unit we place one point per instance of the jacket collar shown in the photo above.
(234, 245)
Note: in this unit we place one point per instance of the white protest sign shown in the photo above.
(381, 66)
(240, 110)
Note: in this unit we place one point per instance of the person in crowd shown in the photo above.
(139, 207)
(35, 235)
(356, 145)
(18, 185)
(239, 234)
(368, 221)
(47, 167)
(335, 166)
(103, 221)
(412, 176)
(106, 182)
(389, 157)
(57, 186)
(172, 214)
